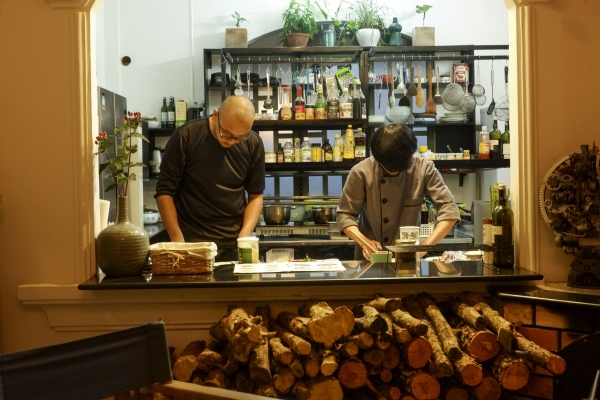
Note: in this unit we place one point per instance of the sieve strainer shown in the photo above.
(452, 95)
(467, 104)
(478, 89)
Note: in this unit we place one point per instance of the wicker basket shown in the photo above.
(183, 258)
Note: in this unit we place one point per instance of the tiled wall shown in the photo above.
(552, 327)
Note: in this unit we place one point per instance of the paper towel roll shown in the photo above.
(104, 207)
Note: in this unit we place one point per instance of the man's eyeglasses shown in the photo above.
(229, 137)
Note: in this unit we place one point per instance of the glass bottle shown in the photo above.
(338, 148)
(306, 150)
(327, 151)
(309, 110)
(395, 30)
(424, 213)
(363, 101)
(346, 104)
(502, 232)
(333, 102)
(163, 114)
(288, 151)
(360, 145)
(299, 105)
(349, 144)
(329, 36)
(297, 150)
(171, 113)
(506, 141)
(484, 144)
(320, 104)
(280, 157)
(285, 112)
(495, 139)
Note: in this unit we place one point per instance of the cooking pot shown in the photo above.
(323, 214)
(150, 216)
(277, 215)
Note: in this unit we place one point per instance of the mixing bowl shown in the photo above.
(323, 214)
(277, 215)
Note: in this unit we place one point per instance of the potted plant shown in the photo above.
(422, 35)
(236, 37)
(368, 21)
(299, 24)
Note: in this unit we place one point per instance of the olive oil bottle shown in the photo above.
(502, 232)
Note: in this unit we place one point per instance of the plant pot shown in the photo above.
(122, 249)
(236, 37)
(297, 39)
(423, 36)
(368, 37)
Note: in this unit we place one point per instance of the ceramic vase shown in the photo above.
(368, 37)
(122, 248)
(297, 39)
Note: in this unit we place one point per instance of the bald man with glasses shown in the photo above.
(208, 167)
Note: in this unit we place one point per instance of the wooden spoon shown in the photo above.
(430, 106)
(412, 89)
(420, 101)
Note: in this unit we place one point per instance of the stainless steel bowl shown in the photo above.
(277, 215)
(323, 214)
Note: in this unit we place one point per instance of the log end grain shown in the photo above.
(471, 375)
(484, 346)
(456, 393)
(488, 389)
(556, 365)
(352, 375)
(425, 386)
(515, 376)
(321, 388)
(418, 352)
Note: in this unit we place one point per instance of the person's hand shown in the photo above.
(368, 246)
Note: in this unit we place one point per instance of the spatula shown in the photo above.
(420, 100)
(490, 109)
(404, 101)
(430, 106)
(412, 89)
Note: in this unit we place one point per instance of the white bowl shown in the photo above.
(397, 117)
(153, 124)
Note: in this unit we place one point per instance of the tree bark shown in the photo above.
(382, 304)
(468, 314)
(300, 391)
(296, 343)
(329, 362)
(184, 367)
(283, 378)
(468, 371)
(239, 329)
(259, 366)
(216, 378)
(363, 340)
(556, 365)
(266, 390)
(322, 387)
(482, 345)
(373, 356)
(242, 381)
(493, 320)
(327, 325)
(297, 367)
(510, 370)
(208, 360)
(312, 364)
(447, 338)
(407, 321)
(194, 348)
(488, 389)
(294, 323)
(280, 352)
(347, 349)
(367, 319)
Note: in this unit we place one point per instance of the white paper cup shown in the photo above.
(104, 207)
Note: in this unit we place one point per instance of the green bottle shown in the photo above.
(502, 232)
(163, 114)
(395, 30)
(495, 140)
(506, 141)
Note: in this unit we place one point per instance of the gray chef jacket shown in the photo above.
(385, 203)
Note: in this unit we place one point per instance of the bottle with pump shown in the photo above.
(346, 104)
(502, 232)
(338, 148)
(360, 145)
(285, 112)
(297, 150)
(349, 144)
(306, 150)
(327, 151)
(171, 113)
(333, 102)
(484, 144)
(506, 141)
(495, 137)
(288, 151)
(299, 105)
(320, 104)
(163, 114)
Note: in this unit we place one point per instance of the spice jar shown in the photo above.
(466, 155)
(270, 157)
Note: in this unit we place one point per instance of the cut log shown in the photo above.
(297, 367)
(363, 340)
(444, 331)
(389, 392)
(400, 335)
(440, 365)
(417, 352)
(382, 341)
(407, 321)
(451, 391)
(555, 364)
(373, 356)
(208, 360)
(294, 323)
(295, 342)
(183, 368)
(385, 375)
(300, 391)
(216, 378)
(329, 361)
(266, 390)
(493, 320)
(280, 352)
(352, 373)
(259, 366)
(382, 304)
(283, 378)
(241, 330)
(367, 319)
(347, 349)
(468, 371)
(194, 348)
(419, 383)
(510, 370)
(242, 381)
(392, 356)
(488, 389)
(312, 364)
(323, 387)
(468, 314)
(407, 397)
(482, 345)
(327, 325)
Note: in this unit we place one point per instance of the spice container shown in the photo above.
(466, 155)
(270, 157)
(248, 250)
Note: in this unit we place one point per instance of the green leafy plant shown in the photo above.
(494, 196)
(423, 10)
(368, 14)
(121, 164)
(238, 19)
(298, 18)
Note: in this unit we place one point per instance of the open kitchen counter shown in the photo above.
(356, 273)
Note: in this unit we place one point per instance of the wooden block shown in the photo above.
(519, 312)
(546, 338)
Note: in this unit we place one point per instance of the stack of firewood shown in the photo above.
(417, 347)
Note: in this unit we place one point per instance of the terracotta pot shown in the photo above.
(122, 249)
(297, 39)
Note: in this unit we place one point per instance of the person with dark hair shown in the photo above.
(386, 191)
(208, 167)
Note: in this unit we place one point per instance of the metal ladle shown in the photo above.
(238, 85)
(268, 104)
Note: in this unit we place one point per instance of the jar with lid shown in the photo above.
(270, 157)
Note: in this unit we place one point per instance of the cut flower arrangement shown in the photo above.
(120, 164)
